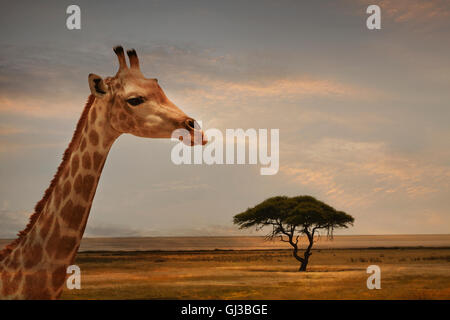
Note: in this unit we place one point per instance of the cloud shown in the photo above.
(10, 130)
(199, 77)
(179, 185)
(109, 230)
(358, 174)
(42, 108)
(280, 88)
(25, 136)
(46, 82)
(416, 10)
(319, 114)
(10, 147)
(12, 222)
(205, 76)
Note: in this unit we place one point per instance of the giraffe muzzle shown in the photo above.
(196, 132)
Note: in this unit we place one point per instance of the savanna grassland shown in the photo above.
(406, 273)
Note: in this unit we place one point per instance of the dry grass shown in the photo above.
(263, 274)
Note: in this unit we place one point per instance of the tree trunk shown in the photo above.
(296, 256)
(307, 254)
(303, 266)
(305, 261)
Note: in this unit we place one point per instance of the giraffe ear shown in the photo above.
(97, 85)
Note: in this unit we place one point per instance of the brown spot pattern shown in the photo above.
(32, 255)
(66, 189)
(57, 197)
(97, 160)
(34, 286)
(46, 224)
(75, 164)
(83, 144)
(84, 185)
(53, 241)
(72, 215)
(107, 141)
(86, 160)
(65, 246)
(78, 184)
(11, 282)
(66, 173)
(66, 211)
(93, 137)
(14, 262)
(60, 247)
(88, 184)
(58, 277)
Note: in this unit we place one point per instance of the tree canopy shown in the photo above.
(305, 213)
(292, 216)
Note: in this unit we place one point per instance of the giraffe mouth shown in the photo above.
(196, 134)
(194, 138)
(203, 141)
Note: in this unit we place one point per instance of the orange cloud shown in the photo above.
(281, 87)
(358, 173)
(42, 109)
(201, 90)
(414, 10)
(8, 130)
(11, 147)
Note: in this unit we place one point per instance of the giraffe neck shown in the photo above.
(36, 267)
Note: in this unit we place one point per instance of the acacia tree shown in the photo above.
(291, 217)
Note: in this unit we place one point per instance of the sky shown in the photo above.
(363, 115)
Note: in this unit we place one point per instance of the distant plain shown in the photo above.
(256, 242)
(262, 274)
(412, 267)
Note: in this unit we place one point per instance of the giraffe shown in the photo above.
(34, 265)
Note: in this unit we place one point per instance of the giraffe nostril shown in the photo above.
(191, 124)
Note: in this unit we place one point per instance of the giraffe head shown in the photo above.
(137, 105)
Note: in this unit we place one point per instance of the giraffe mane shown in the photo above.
(65, 159)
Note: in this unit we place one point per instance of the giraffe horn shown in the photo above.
(134, 60)
(121, 56)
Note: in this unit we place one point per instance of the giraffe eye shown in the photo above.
(135, 101)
